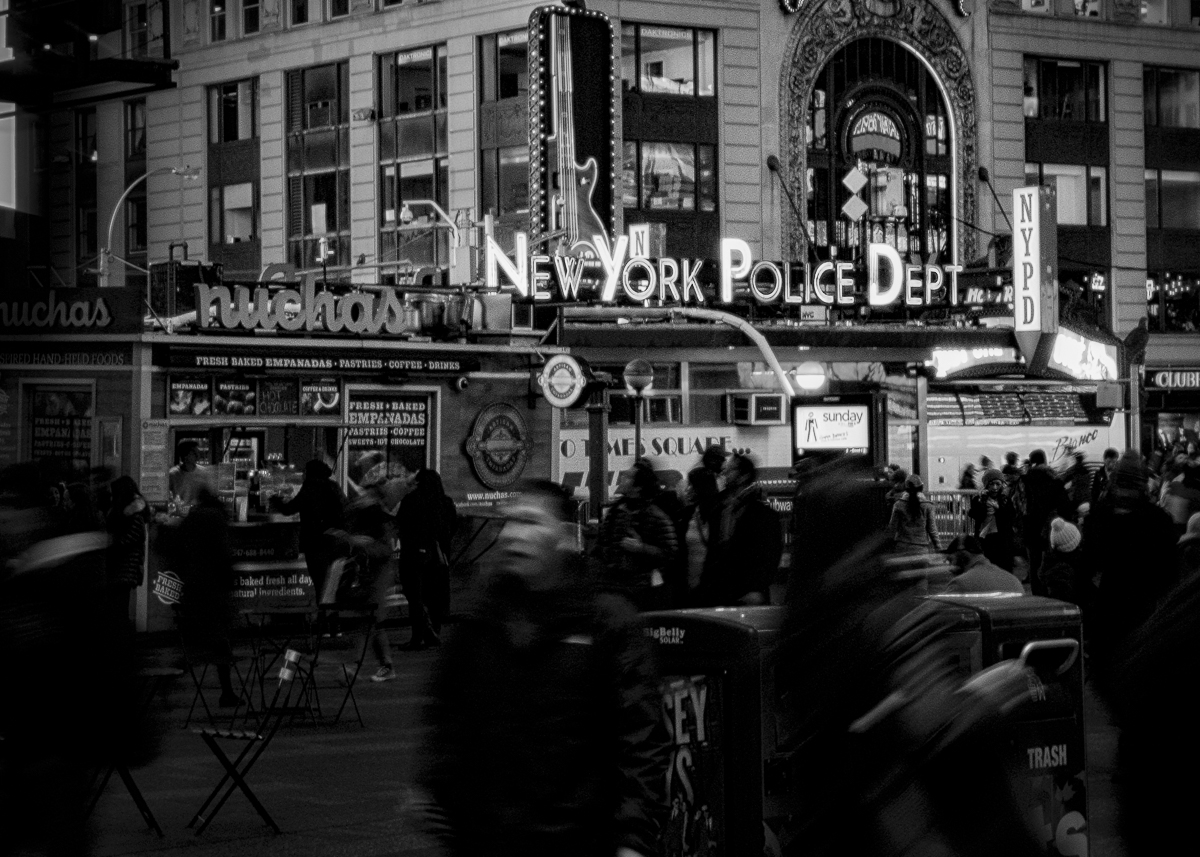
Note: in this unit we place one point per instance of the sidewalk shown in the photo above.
(333, 790)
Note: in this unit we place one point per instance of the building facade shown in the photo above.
(368, 140)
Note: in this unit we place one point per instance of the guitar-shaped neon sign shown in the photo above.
(571, 217)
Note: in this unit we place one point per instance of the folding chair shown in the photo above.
(255, 742)
(198, 660)
(152, 679)
(350, 671)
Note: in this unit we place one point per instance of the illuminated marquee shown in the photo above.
(615, 274)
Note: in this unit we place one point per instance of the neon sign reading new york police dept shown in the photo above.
(614, 275)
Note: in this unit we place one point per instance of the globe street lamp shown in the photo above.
(185, 172)
(639, 377)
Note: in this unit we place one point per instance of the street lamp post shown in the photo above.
(639, 377)
(185, 172)
(406, 217)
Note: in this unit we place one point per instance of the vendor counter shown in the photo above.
(269, 570)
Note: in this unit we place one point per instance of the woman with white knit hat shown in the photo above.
(1063, 574)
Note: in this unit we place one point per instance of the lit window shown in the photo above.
(8, 153)
(1041, 6)
(1087, 8)
(1081, 191)
(1065, 90)
(216, 20)
(1155, 12)
(5, 51)
(1171, 97)
(231, 212)
(668, 60)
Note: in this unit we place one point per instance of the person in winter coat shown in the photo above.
(321, 506)
(546, 730)
(748, 542)
(911, 528)
(1130, 544)
(126, 557)
(638, 544)
(1064, 572)
(968, 480)
(1045, 498)
(424, 531)
(973, 573)
(205, 563)
(994, 515)
(1101, 477)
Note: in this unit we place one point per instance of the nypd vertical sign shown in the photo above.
(1035, 267)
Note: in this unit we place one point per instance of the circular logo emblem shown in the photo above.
(499, 446)
(168, 587)
(563, 380)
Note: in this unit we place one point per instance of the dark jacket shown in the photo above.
(1066, 577)
(1006, 513)
(1132, 548)
(630, 573)
(1045, 495)
(980, 576)
(320, 504)
(547, 730)
(745, 550)
(126, 558)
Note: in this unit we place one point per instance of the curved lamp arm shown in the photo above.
(105, 254)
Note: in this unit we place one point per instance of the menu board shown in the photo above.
(278, 397)
(320, 397)
(61, 426)
(235, 397)
(389, 428)
(190, 397)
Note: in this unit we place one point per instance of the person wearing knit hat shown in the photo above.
(1045, 498)
(1129, 543)
(911, 527)
(995, 515)
(1062, 573)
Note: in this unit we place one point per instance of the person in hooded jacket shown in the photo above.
(1045, 498)
(994, 515)
(747, 545)
(126, 557)
(638, 543)
(911, 527)
(1130, 544)
(545, 716)
(321, 506)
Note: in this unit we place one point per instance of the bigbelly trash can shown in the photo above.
(717, 691)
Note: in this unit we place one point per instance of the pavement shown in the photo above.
(344, 789)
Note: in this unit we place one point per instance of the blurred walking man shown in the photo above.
(546, 729)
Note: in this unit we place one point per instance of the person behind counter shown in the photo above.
(320, 503)
(187, 477)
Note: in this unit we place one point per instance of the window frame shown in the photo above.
(249, 6)
(219, 192)
(216, 118)
(1158, 220)
(1150, 81)
(137, 29)
(332, 9)
(1102, 96)
(636, 86)
(132, 110)
(1088, 171)
(218, 25)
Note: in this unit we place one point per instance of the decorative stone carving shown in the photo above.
(827, 26)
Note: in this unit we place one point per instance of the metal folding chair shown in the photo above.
(198, 660)
(152, 679)
(255, 743)
(350, 671)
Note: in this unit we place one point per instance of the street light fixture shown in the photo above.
(406, 217)
(639, 378)
(185, 172)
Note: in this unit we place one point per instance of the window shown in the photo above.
(1081, 191)
(85, 136)
(1173, 199)
(135, 129)
(505, 176)
(1155, 12)
(387, 3)
(707, 386)
(8, 155)
(339, 8)
(232, 108)
(135, 225)
(137, 30)
(318, 164)
(503, 66)
(250, 17)
(232, 214)
(1040, 6)
(1087, 8)
(1066, 90)
(5, 51)
(216, 20)
(670, 177)
(1171, 97)
(413, 157)
(1173, 301)
(668, 60)
(299, 9)
(663, 405)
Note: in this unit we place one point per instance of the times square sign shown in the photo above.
(610, 274)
